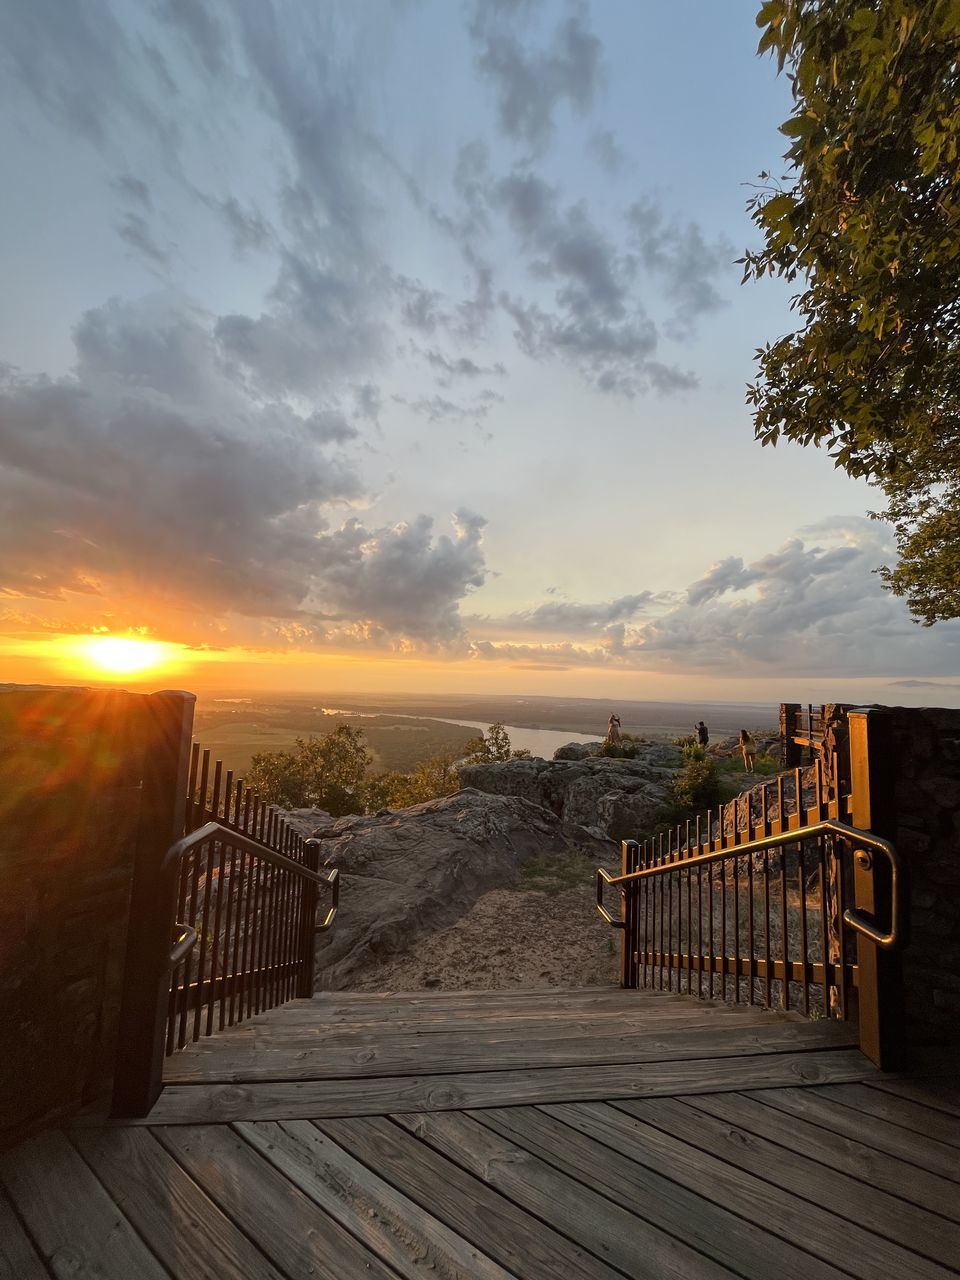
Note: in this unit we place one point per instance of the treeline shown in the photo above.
(331, 772)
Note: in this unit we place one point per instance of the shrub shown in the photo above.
(319, 773)
(695, 787)
(693, 751)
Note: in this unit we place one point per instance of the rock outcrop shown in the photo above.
(611, 798)
(421, 868)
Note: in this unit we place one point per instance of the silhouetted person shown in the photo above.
(703, 734)
(613, 729)
(746, 750)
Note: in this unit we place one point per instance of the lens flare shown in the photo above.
(124, 655)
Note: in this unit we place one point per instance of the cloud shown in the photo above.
(149, 473)
(684, 261)
(461, 367)
(531, 83)
(201, 29)
(571, 618)
(813, 607)
(605, 147)
(135, 232)
(248, 229)
(597, 323)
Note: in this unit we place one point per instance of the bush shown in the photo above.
(693, 751)
(493, 748)
(431, 780)
(695, 787)
(688, 740)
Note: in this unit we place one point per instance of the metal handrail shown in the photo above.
(236, 839)
(829, 826)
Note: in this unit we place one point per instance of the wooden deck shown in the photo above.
(537, 1135)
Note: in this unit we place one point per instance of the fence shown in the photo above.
(781, 897)
(236, 885)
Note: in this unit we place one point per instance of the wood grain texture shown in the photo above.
(640, 1250)
(895, 1109)
(169, 1210)
(890, 1140)
(799, 1131)
(849, 1194)
(715, 1231)
(285, 1224)
(75, 1223)
(465, 1203)
(406, 1236)
(411, 1054)
(767, 1177)
(18, 1258)
(295, 1100)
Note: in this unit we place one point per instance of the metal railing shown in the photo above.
(726, 924)
(248, 940)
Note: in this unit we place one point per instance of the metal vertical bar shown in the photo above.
(751, 941)
(711, 946)
(736, 929)
(189, 822)
(196, 861)
(205, 939)
(801, 872)
(245, 1001)
(699, 919)
(766, 927)
(689, 916)
(669, 878)
(824, 925)
(216, 968)
(785, 926)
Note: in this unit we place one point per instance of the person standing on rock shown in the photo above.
(703, 734)
(613, 730)
(746, 750)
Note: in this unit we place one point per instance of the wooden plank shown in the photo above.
(406, 1236)
(935, 1094)
(716, 1231)
(878, 1169)
(18, 1258)
(466, 1204)
(309, 1099)
(889, 1139)
(285, 1224)
(389, 1055)
(899, 1110)
(833, 1240)
(638, 1249)
(76, 1225)
(735, 1119)
(169, 1210)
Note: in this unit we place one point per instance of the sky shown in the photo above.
(401, 344)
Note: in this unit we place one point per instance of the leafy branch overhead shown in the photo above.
(867, 219)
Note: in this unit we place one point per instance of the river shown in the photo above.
(539, 742)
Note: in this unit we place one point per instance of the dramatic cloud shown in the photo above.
(813, 607)
(570, 618)
(148, 469)
(531, 83)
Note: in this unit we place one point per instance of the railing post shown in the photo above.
(138, 1076)
(790, 752)
(629, 861)
(880, 1009)
(308, 922)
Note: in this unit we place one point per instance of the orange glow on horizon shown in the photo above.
(125, 655)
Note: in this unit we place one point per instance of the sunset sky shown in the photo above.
(400, 344)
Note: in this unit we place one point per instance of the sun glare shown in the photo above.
(123, 655)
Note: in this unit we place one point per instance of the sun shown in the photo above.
(124, 655)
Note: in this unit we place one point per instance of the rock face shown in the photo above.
(421, 868)
(610, 798)
(306, 821)
(577, 750)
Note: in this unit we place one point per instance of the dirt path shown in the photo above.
(545, 933)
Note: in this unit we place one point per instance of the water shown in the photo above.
(539, 742)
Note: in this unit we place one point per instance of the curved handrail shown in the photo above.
(829, 826)
(236, 839)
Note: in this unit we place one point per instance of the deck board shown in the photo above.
(589, 1135)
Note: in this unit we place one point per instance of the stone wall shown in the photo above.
(71, 764)
(927, 769)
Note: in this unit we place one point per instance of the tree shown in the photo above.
(430, 780)
(868, 219)
(320, 773)
(494, 747)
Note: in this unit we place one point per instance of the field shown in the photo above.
(236, 734)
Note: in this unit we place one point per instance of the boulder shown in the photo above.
(306, 822)
(610, 797)
(420, 868)
(577, 750)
